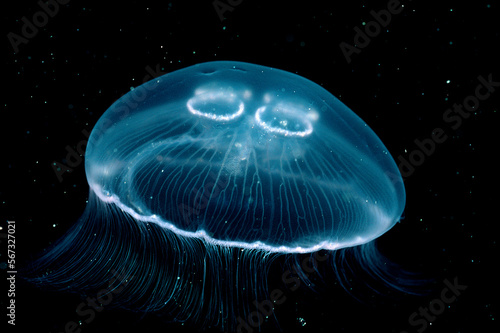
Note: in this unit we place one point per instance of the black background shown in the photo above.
(428, 58)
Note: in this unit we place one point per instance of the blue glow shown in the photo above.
(200, 177)
(276, 161)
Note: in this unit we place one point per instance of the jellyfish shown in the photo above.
(199, 178)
